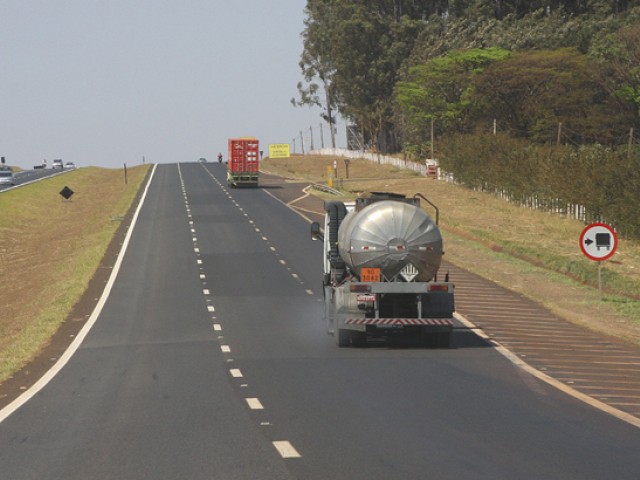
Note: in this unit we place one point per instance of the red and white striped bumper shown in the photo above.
(441, 322)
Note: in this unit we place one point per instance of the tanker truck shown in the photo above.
(381, 258)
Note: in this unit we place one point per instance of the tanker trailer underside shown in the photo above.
(395, 312)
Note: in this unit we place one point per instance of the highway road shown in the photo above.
(210, 361)
(28, 176)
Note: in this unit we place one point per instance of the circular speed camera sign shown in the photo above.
(598, 241)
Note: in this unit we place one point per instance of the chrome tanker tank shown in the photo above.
(390, 235)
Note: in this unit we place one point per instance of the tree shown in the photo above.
(618, 54)
(354, 50)
(531, 92)
(440, 90)
(317, 62)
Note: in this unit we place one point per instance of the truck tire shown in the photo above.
(343, 337)
(443, 340)
(436, 339)
(359, 339)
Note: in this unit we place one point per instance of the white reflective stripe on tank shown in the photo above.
(444, 322)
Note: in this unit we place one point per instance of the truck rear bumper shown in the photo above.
(436, 322)
(241, 179)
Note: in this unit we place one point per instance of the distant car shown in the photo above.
(57, 164)
(6, 177)
(202, 160)
(69, 165)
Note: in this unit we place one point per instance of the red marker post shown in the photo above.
(599, 242)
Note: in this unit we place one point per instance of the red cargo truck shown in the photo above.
(243, 164)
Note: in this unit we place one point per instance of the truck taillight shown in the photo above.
(366, 298)
(434, 287)
(360, 288)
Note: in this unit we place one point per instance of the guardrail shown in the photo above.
(326, 188)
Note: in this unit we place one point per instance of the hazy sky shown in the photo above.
(104, 82)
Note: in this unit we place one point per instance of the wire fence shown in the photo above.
(533, 202)
(372, 157)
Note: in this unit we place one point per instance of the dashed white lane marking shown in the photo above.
(285, 449)
(217, 327)
(225, 348)
(254, 404)
(211, 308)
(197, 250)
(273, 249)
(236, 373)
(199, 262)
(206, 291)
(309, 292)
(283, 262)
(295, 275)
(203, 276)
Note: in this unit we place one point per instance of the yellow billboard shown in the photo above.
(279, 150)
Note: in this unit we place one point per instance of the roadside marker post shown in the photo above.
(599, 242)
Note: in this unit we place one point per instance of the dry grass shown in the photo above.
(314, 168)
(49, 250)
(535, 253)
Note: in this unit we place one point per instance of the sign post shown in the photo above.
(598, 242)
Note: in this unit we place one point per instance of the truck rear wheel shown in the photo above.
(443, 340)
(350, 338)
(358, 339)
(343, 337)
(436, 339)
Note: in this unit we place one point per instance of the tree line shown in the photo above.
(535, 75)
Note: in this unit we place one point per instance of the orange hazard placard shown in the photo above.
(370, 275)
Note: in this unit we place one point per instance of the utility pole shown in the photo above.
(630, 144)
(495, 127)
(311, 132)
(294, 144)
(433, 155)
(321, 136)
(559, 133)
(301, 142)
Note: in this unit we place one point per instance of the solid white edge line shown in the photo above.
(518, 362)
(288, 206)
(77, 341)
